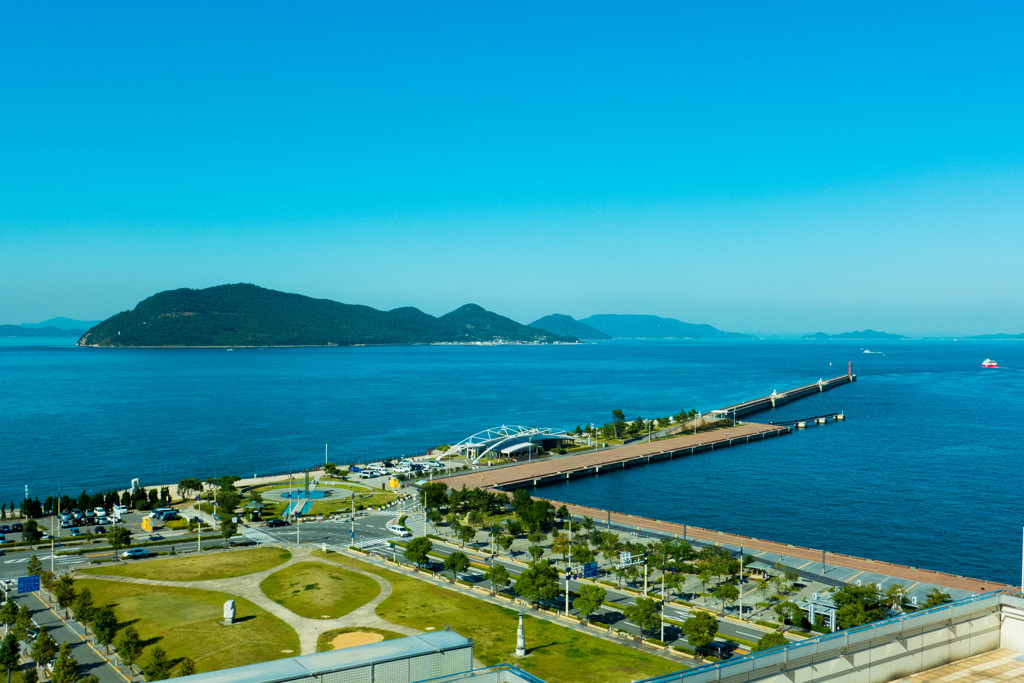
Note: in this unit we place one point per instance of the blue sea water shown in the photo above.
(924, 471)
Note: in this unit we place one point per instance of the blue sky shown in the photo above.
(762, 167)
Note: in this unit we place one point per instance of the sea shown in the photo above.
(925, 470)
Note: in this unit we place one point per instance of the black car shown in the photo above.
(16, 526)
(5, 529)
(99, 530)
(276, 522)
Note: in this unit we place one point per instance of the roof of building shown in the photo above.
(336, 660)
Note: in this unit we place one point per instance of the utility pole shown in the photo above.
(741, 583)
(663, 594)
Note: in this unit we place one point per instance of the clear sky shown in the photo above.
(762, 167)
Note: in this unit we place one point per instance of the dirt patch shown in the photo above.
(355, 638)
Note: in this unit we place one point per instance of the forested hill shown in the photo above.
(558, 323)
(655, 327)
(247, 315)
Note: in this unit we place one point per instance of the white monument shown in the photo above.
(229, 612)
(520, 639)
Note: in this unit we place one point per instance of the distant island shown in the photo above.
(243, 315)
(568, 326)
(655, 327)
(997, 336)
(866, 335)
(54, 327)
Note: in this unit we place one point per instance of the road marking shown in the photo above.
(750, 635)
(24, 559)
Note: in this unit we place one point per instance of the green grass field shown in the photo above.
(317, 591)
(186, 623)
(323, 642)
(557, 654)
(210, 565)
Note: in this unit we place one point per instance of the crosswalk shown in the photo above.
(373, 543)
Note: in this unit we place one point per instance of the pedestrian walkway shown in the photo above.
(308, 630)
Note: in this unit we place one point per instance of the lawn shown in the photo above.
(323, 642)
(318, 591)
(202, 567)
(556, 653)
(187, 623)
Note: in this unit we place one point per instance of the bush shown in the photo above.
(655, 641)
(685, 650)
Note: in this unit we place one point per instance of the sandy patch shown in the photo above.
(355, 638)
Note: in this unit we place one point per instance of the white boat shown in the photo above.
(989, 363)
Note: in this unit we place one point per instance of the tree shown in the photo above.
(466, 534)
(65, 669)
(560, 544)
(227, 528)
(44, 649)
(31, 532)
(859, 605)
(590, 600)
(581, 554)
(536, 552)
(456, 563)
(23, 623)
(504, 542)
(700, 629)
(34, 566)
(515, 528)
(159, 666)
(186, 668)
(499, 577)
(9, 654)
(32, 676)
(764, 587)
(64, 591)
(129, 646)
(538, 582)
(417, 550)
(674, 582)
(644, 613)
(104, 626)
(727, 593)
(936, 597)
(434, 495)
(704, 576)
(770, 640)
(8, 614)
(189, 487)
(84, 609)
(119, 537)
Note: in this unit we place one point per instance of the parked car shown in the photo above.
(99, 530)
(276, 522)
(76, 532)
(16, 527)
(5, 528)
(135, 552)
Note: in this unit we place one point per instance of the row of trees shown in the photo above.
(140, 499)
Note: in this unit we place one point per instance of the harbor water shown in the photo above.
(923, 471)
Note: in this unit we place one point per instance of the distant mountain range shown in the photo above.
(247, 315)
(654, 327)
(1000, 335)
(866, 335)
(54, 327)
(569, 326)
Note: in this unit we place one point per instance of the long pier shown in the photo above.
(549, 470)
(776, 399)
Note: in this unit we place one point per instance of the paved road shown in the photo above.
(68, 632)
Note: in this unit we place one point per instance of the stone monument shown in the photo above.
(229, 612)
(520, 639)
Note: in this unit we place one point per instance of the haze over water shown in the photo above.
(924, 471)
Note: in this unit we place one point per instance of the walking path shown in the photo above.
(248, 587)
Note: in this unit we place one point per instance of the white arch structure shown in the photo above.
(497, 438)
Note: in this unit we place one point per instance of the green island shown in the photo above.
(244, 315)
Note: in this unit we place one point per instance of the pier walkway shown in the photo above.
(569, 466)
(776, 399)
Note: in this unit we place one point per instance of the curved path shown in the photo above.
(248, 587)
